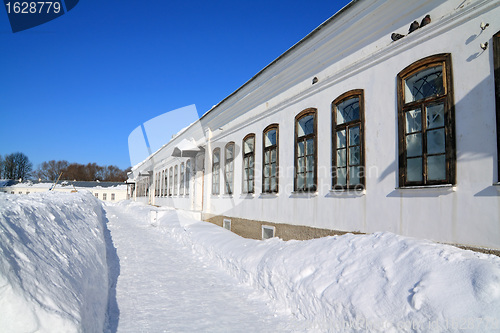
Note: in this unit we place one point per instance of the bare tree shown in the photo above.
(50, 170)
(1, 167)
(75, 171)
(17, 166)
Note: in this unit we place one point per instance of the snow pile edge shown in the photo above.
(380, 282)
(53, 270)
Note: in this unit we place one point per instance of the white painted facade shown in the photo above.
(354, 50)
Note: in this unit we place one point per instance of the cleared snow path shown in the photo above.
(164, 287)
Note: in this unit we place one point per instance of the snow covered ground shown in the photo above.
(168, 272)
(164, 287)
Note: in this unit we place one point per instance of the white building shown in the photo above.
(350, 130)
(106, 191)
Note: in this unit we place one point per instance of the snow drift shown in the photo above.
(53, 270)
(378, 283)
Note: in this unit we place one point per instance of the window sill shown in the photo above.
(302, 194)
(351, 192)
(247, 195)
(445, 187)
(269, 194)
(226, 196)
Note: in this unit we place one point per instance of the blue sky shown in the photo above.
(74, 88)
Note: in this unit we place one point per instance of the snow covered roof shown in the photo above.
(6, 182)
(64, 183)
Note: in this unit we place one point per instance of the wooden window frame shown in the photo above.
(228, 161)
(215, 172)
(162, 180)
(247, 156)
(496, 66)
(156, 185)
(264, 150)
(359, 93)
(304, 138)
(447, 99)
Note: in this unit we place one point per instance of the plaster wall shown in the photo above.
(355, 51)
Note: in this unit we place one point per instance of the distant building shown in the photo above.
(359, 127)
(106, 191)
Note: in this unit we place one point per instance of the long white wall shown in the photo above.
(355, 51)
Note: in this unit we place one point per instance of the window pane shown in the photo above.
(414, 145)
(300, 150)
(341, 176)
(310, 181)
(245, 187)
(300, 165)
(354, 175)
(270, 138)
(266, 157)
(435, 141)
(274, 185)
(354, 136)
(341, 139)
(435, 116)
(354, 155)
(250, 161)
(267, 168)
(341, 157)
(216, 157)
(229, 152)
(248, 146)
(426, 83)
(250, 187)
(273, 170)
(310, 163)
(414, 169)
(413, 121)
(305, 125)
(300, 181)
(348, 111)
(267, 187)
(436, 167)
(310, 147)
(273, 156)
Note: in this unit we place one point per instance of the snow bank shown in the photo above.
(378, 283)
(53, 270)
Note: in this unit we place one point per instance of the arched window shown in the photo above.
(347, 141)
(176, 179)
(496, 64)
(182, 180)
(248, 163)
(426, 123)
(188, 176)
(156, 184)
(171, 181)
(305, 151)
(216, 171)
(270, 166)
(229, 168)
